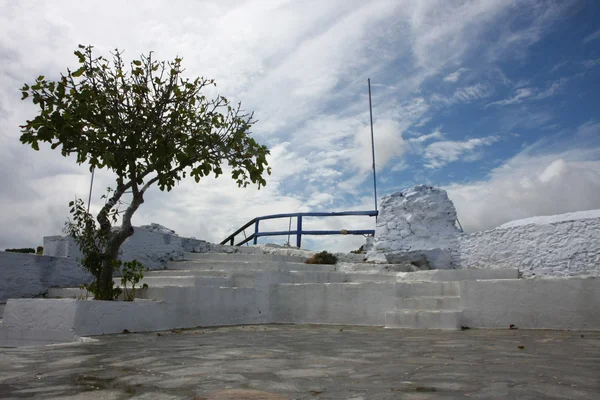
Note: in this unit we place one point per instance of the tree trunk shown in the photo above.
(111, 254)
(105, 283)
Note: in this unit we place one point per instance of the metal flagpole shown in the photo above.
(91, 185)
(372, 146)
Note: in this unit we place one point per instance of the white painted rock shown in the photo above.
(420, 223)
(158, 228)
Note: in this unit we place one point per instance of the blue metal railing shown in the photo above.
(298, 232)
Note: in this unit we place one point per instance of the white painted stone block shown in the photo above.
(416, 225)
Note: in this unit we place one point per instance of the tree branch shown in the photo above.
(102, 217)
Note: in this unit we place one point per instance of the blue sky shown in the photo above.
(496, 101)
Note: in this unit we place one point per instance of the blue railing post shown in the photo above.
(299, 232)
(255, 232)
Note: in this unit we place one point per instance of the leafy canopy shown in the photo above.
(146, 123)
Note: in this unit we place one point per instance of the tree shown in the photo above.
(148, 125)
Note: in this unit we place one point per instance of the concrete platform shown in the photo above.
(310, 362)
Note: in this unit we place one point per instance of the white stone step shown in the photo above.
(152, 293)
(295, 276)
(69, 293)
(223, 248)
(449, 275)
(188, 272)
(365, 277)
(183, 280)
(250, 265)
(428, 303)
(209, 257)
(427, 289)
(418, 319)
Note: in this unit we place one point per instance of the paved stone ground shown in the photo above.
(310, 362)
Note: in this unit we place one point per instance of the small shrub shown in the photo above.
(132, 272)
(323, 257)
(26, 250)
(39, 250)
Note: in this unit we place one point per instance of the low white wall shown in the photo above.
(570, 304)
(27, 275)
(564, 248)
(153, 249)
(33, 322)
(558, 303)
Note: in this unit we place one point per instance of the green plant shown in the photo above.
(24, 250)
(146, 124)
(323, 257)
(132, 272)
(39, 250)
(92, 242)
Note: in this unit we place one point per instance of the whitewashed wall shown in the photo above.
(565, 248)
(551, 303)
(28, 275)
(150, 247)
(417, 226)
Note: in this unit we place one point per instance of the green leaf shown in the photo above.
(35, 146)
(79, 72)
(137, 62)
(25, 95)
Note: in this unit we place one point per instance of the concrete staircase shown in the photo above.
(237, 270)
(431, 299)
(423, 300)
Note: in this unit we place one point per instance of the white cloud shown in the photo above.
(523, 94)
(592, 36)
(454, 76)
(551, 90)
(520, 95)
(466, 94)
(423, 122)
(441, 153)
(389, 144)
(436, 134)
(591, 63)
(546, 178)
(400, 166)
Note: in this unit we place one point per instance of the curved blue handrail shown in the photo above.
(299, 232)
